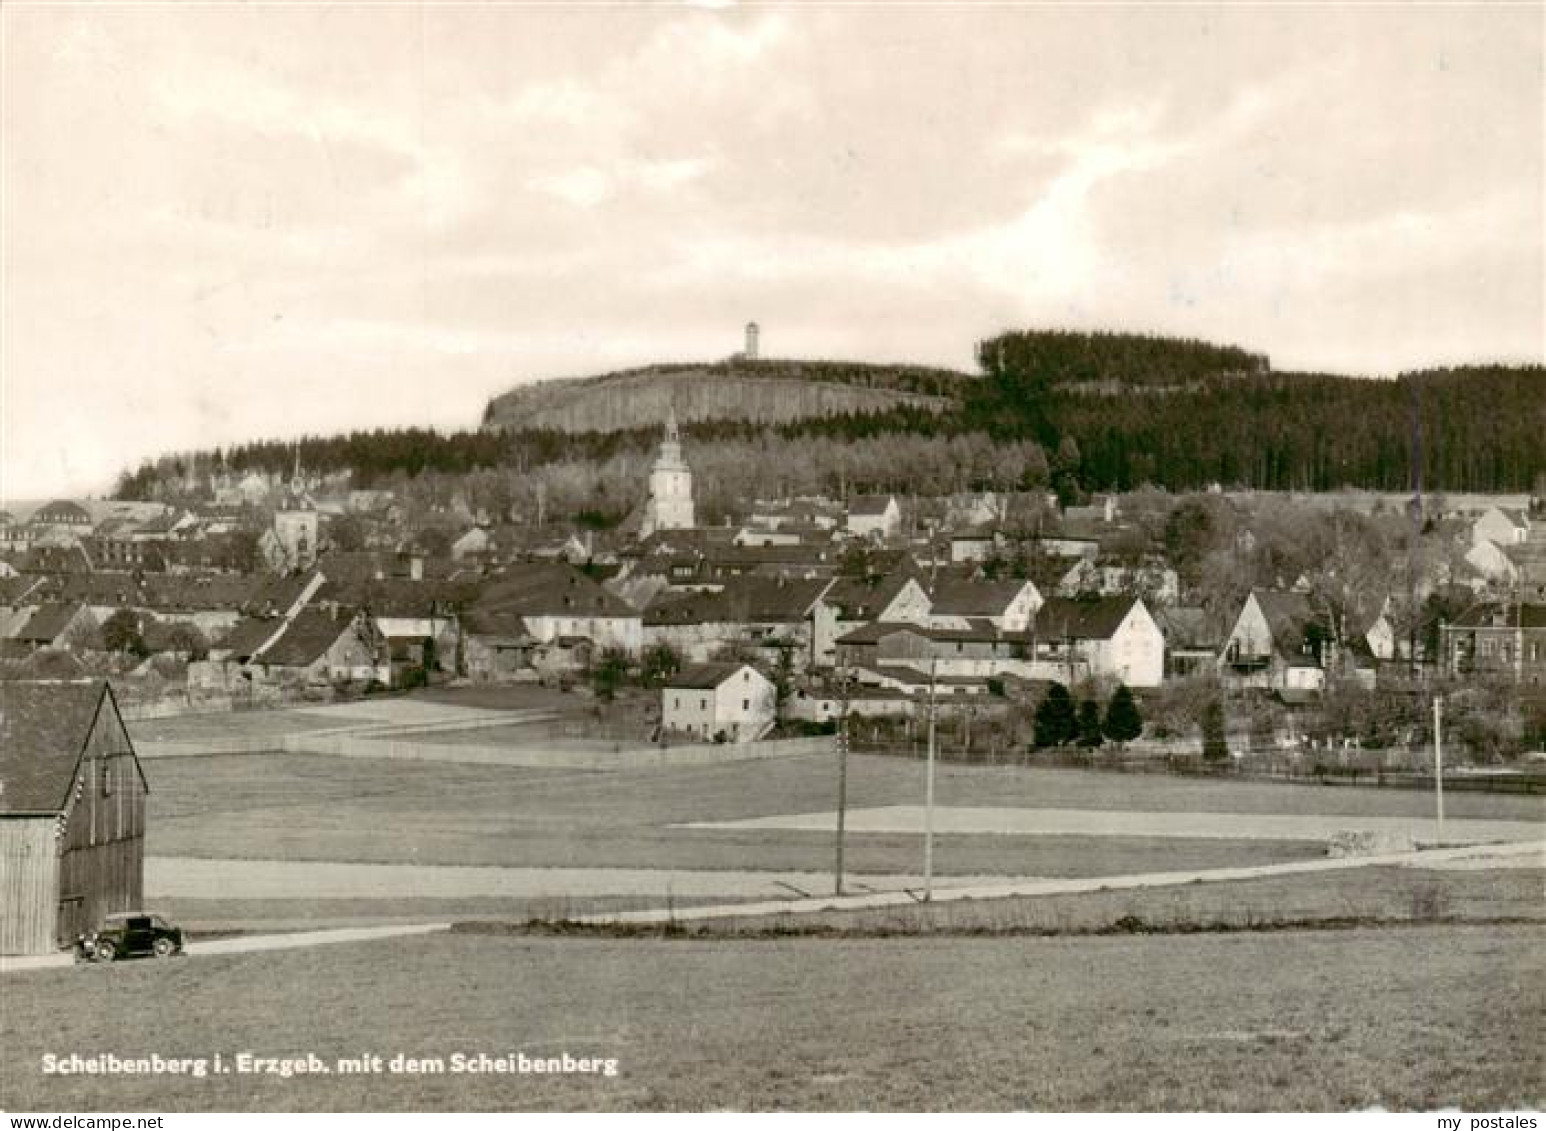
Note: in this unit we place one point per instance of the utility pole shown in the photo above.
(1414, 563)
(1438, 765)
(928, 795)
(842, 781)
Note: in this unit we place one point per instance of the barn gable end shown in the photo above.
(72, 813)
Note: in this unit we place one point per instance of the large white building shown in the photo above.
(670, 501)
(718, 702)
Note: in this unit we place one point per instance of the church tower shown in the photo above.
(670, 502)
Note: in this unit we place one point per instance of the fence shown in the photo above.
(1258, 767)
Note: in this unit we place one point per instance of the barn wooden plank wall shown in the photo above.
(71, 868)
(30, 857)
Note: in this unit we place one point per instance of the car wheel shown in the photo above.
(106, 951)
(164, 948)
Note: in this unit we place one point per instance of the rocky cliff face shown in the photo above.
(759, 392)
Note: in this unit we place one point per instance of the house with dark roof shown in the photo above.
(246, 639)
(124, 553)
(55, 624)
(1529, 561)
(553, 600)
(727, 702)
(416, 623)
(1108, 575)
(1117, 637)
(976, 543)
(53, 557)
(1279, 642)
(817, 514)
(72, 814)
(209, 601)
(852, 602)
(318, 647)
(497, 648)
(1007, 604)
(774, 616)
(874, 516)
(793, 559)
(1191, 641)
(882, 654)
(1502, 638)
(62, 513)
(18, 597)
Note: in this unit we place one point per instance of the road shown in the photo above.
(178, 877)
(1525, 854)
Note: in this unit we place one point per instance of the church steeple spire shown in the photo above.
(670, 495)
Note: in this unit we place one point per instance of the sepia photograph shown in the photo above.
(744, 557)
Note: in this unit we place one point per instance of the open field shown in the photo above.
(321, 808)
(275, 723)
(360, 810)
(300, 807)
(474, 840)
(1420, 1018)
(217, 727)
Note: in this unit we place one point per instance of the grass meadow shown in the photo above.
(1420, 1018)
(296, 806)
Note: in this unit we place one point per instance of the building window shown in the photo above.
(746, 704)
(105, 766)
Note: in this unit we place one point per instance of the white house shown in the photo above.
(1501, 526)
(877, 515)
(1490, 561)
(1278, 643)
(718, 702)
(1116, 637)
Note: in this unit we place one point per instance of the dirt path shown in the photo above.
(904, 892)
(177, 877)
(1492, 855)
(957, 820)
(246, 944)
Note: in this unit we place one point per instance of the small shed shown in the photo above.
(72, 813)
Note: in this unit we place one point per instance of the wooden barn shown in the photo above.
(72, 814)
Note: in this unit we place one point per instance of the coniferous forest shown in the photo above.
(1102, 411)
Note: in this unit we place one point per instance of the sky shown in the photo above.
(225, 222)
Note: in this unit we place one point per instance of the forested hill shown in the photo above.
(1186, 414)
(758, 392)
(1080, 412)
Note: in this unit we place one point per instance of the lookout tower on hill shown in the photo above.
(752, 330)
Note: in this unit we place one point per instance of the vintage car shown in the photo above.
(128, 933)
